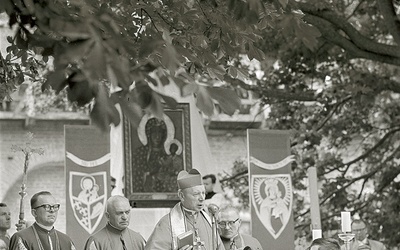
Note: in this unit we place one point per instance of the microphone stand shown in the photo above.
(214, 232)
(213, 209)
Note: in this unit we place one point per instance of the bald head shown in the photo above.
(118, 212)
(228, 222)
(229, 209)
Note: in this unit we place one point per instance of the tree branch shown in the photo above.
(364, 176)
(389, 14)
(378, 144)
(362, 42)
(332, 112)
(332, 35)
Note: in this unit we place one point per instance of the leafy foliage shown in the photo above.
(238, 182)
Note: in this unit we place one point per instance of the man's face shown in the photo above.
(208, 185)
(360, 230)
(193, 198)
(42, 216)
(5, 218)
(119, 214)
(230, 223)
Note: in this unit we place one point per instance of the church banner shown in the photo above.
(87, 165)
(270, 186)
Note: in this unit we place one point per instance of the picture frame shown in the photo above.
(154, 153)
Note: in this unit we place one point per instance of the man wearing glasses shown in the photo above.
(360, 229)
(42, 235)
(228, 228)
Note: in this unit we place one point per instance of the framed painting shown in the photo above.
(155, 152)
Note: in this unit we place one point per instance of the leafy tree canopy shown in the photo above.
(330, 73)
(341, 101)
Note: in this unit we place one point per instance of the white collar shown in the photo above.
(48, 228)
(190, 212)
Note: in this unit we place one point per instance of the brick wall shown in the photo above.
(226, 147)
(45, 172)
(49, 135)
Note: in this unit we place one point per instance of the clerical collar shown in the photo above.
(48, 228)
(114, 229)
(229, 239)
(190, 212)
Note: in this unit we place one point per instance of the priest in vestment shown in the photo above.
(42, 235)
(116, 234)
(186, 216)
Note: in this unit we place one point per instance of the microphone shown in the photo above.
(213, 209)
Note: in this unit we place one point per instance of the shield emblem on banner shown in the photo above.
(88, 195)
(272, 200)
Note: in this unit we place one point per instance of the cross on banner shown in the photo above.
(27, 150)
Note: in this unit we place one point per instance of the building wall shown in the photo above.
(45, 172)
(226, 147)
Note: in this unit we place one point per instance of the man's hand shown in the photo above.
(21, 225)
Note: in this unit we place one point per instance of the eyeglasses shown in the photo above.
(229, 223)
(49, 207)
(359, 230)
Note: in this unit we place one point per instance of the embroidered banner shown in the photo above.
(87, 167)
(271, 193)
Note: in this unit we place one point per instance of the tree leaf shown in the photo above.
(227, 99)
(30, 6)
(283, 3)
(255, 53)
(104, 111)
(72, 30)
(204, 101)
(171, 102)
(74, 51)
(169, 59)
(307, 33)
(129, 108)
(148, 46)
(95, 62)
(189, 88)
(55, 80)
(156, 107)
(80, 90)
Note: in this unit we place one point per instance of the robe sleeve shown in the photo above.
(16, 243)
(161, 238)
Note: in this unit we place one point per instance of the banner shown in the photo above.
(87, 167)
(270, 185)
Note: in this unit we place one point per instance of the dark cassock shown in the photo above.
(109, 238)
(36, 237)
(209, 195)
